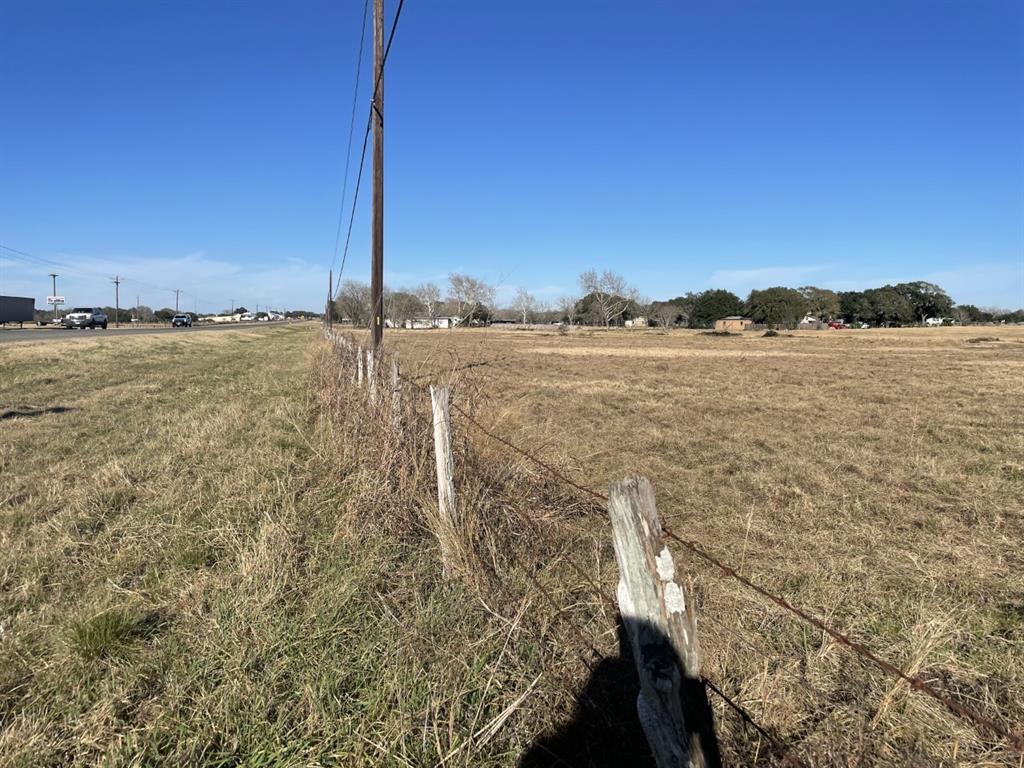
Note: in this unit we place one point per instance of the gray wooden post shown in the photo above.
(672, 704)
(359, 366)
(446, 501)
(371, 376)
(396, 394)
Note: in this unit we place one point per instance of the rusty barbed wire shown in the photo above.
(916, 683)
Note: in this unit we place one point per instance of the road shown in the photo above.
(59, 334)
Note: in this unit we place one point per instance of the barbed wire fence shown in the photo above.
(645, 564)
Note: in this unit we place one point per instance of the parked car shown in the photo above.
(837, 325)
(85, 317)
(181, 321)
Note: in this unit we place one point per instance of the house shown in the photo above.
(636, 322)
(734, 323)
(419, 323)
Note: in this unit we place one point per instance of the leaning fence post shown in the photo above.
(396, 394)
(359, 366)
(672, 704)
(446, 501)
(371, 375)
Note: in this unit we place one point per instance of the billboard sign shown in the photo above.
(55, 300)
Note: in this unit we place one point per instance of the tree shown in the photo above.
(777, 306)
(164, 315)
(855, 307)
(821, 302)
(887, 306)
(430, 295)
(713, 305)
(352, 302)
(524, 304)
(667, 313)
(466, 292)
(400, 306)
(926, 299)
(567, 306)
(607, 294)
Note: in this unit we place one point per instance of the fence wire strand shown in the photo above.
(916, 683)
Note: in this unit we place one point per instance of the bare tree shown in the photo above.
(524, 304)
(610, 293)
(567, 306)
(467, 292)
(665, 313)
(353, 302)
(430, 295)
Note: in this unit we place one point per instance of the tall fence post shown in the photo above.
(672, 704)
(359, 366)
(446, 502)
(396, 394)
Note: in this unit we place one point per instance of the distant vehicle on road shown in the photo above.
(181, 321)
(247, 317)
(85, 317)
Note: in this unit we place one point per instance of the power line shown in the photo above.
(366, 137)
(351, 131)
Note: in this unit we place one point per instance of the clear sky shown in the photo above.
(200, 144)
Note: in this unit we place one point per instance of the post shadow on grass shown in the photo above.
(604, 730)
(15, 413)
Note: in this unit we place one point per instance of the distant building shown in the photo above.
(420, 323)
(734, 323)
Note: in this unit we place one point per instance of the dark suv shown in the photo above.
(85, 317)
(181, 321)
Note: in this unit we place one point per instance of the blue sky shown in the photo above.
(201, 145)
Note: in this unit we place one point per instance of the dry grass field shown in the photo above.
(875, 478)
(208, 556)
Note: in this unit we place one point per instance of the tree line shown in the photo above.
(607, 299)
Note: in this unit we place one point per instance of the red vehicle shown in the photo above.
(838, 325)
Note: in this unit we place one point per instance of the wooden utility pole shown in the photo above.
(330, 297)
(177, 292)
(117, 301)
(377, 234)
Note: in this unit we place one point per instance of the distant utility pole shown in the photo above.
(176, 292)
(117, 301)
(377, 255)
(138, 310)
(54, 276)
(328, 311)
(232, 306)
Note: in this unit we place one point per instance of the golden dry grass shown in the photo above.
(875, 478)
(222, 554)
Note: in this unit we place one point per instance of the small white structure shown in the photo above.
(932, 322)
(421, 323)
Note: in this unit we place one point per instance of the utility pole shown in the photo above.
(377, 234)
(138, 311)
(54, 276)
(176, 292)
(117, 301)
(232, 306)
(329, 312)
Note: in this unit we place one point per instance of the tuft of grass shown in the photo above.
(103, 634)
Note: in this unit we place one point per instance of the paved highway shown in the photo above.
(59, 334)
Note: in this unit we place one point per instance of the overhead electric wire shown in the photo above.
(80, 271)
(366, 137)
(351, 132)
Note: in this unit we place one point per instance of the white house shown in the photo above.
(420, 323)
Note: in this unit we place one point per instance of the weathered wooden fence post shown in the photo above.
(371, 374)
(359, 366)
(672, 704)
(396, 394)
(446, 502)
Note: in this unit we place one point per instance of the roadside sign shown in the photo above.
(54, 299)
